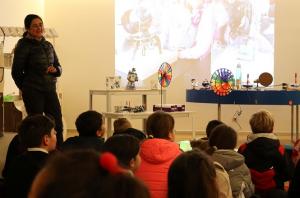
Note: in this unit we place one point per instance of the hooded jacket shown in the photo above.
(267, 161)
(239, 174)
(31, 61)
(156, 158)
(223, 181)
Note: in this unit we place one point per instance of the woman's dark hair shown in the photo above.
(192, 175)
(160, 124)
(88, 123)
(78, 174)
(29, 18)
(124, 147)
(33, 128)
(223, 137)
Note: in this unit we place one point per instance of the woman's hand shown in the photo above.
(51, 69)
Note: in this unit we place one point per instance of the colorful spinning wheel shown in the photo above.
(165, 74)
(222, 81)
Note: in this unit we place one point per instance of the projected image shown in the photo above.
(195, 36)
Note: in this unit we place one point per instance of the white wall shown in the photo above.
(12, 13)
(85, 47)
(86, 50)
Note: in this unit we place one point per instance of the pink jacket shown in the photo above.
(157, 155)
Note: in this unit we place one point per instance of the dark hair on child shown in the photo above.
(124, 147)
(88, 123)
(134, 132)
(223, 137)
(33, 128)
(79, 174)
(192, 175)
(211, 125)
(160, 124)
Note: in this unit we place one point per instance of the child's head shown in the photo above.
(90, 123)
(134, 132)
(192, 174)
(223, 137)
(126, 148)
(211, 125)
(121, 124)
(262, 122)
(38, 131)
(160, 125)
(84, 174)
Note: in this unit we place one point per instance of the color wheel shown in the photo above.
(165, 74)
(222, 81)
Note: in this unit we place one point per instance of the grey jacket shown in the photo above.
(239, 174)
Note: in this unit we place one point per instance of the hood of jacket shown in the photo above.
(156, 151)
(229, 159)
(264, 145)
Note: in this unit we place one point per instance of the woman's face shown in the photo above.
(36, 28)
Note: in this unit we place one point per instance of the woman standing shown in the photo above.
(34, 70)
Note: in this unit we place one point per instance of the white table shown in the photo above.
(114, 92)
(144, 115)
(123, 92)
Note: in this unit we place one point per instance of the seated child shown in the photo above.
(202, 143)
(157, 153)
(85, 174)
(224, 138)
(264, 155)
(91, 129)
(127, 150)
(192, 174)
(37, 134)
(121, 124)
(134, 132)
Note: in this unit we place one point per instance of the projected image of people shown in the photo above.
(195, 36)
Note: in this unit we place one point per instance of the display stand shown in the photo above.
(109, 114)
(253, 97)
(114, 92)
(123, 92)
(144, 116)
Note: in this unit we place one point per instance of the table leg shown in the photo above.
(109, 128)
(193, 128)
(292, 123)
(91, 101)
(108, 102)
(144, 125)
(144, 101)
(297, 122)
(219, 111)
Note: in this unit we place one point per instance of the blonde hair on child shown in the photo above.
(262, 122)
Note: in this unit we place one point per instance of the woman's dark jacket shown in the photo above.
(31, 60)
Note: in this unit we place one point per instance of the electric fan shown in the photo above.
(164, 77)
(222, 81)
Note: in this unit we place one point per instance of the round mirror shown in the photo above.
(265, 79)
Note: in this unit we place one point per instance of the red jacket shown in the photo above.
(157, 156)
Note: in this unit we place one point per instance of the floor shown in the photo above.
(4, 141)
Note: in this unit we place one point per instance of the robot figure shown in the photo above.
(132, 78)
